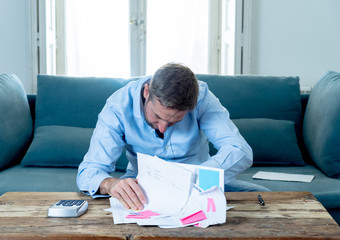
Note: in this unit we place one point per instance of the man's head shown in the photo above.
(172, 92)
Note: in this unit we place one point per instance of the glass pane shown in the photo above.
(177, 31)
(97, 38)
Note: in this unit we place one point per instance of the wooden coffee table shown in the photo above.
(286, 215)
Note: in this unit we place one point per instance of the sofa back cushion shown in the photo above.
(74, 104)
(66, 113)
(273, 141)
(247, 96)
(72, 101)
(267, 111)
(15, 120)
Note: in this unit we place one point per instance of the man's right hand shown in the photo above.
(127, 191)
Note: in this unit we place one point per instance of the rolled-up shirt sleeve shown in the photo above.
(234, 154)
(106, 146)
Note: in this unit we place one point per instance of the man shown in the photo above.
(170, 115)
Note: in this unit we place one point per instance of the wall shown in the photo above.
(15, 40)
(299, 38)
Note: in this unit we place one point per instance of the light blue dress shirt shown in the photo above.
(121, 123)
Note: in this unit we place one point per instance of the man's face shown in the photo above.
(158, 116)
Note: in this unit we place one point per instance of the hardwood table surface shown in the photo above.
(286, 215)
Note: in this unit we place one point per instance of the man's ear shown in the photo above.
(146, 91)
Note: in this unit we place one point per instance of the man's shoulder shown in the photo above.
(203, 89)
(206, 99)
(126, 100)
(129, 91)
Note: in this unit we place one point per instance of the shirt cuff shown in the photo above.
(94, 186)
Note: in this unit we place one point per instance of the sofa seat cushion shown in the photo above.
(15, 120)
(40, 179)
(61, 146)
(325, 189)
(321, 126)
(273, 142)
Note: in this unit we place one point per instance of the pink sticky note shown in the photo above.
(211, 204)
(197, 225)
(137, 216)
(148, 213)
(196, 217)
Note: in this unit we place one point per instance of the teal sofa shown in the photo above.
(43, 137)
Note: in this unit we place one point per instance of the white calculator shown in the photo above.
(68, 208)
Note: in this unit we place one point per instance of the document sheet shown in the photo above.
(283, 176)
(177, 195)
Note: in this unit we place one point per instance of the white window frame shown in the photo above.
(138, 37)
(240, 43)
(43, 38)
(46, 36)
(243, 37)
(214, 62)
(34, 43)
(60, 34)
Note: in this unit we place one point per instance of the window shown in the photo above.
(177, 31)
(96, 38)
(121, 38)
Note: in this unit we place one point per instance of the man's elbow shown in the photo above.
(249, 157)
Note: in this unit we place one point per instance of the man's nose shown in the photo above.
(162, 125)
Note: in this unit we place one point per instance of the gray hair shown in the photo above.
(175, 86)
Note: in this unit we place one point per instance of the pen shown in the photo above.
(261, 202)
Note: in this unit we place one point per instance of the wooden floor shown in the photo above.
(286, 215)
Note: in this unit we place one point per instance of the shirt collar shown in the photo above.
(137, 97)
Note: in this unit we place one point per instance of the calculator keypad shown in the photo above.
(70, 202)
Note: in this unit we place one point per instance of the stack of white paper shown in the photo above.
(283, 176)
(177, 195)
(161, 181)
